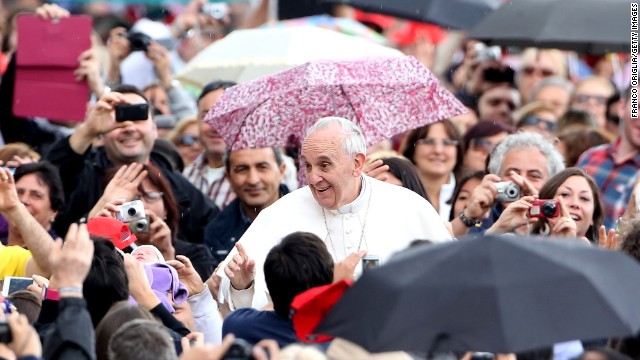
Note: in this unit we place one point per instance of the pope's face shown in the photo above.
(332, 174)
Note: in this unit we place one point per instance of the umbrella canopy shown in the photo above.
(246, 55)
(497, 294)
(385, 96)
(342, 25)
(456, 14)
(585, 26)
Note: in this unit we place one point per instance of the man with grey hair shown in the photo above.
(353, 214)
(528, 160)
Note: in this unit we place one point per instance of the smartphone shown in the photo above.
(370, 262)
(13, 284)
(132, 112)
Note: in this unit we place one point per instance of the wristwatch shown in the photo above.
(467, 221)
(50, 294)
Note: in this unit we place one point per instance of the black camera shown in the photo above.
(132, 112)
(5, 332)
(239, 350)
(138, 41)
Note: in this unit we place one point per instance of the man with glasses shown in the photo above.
(537, 65)
(83, 171)
(615, 166)
(592, 95)
(207, 171)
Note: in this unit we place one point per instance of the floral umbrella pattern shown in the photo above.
(384, 96)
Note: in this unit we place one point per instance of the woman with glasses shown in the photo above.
(185, 137)
(479, 141)
(537, 117)
(436, 150)
(146, 183)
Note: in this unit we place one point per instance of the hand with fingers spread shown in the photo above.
(25, 340)
(8, 194)
(608, 239)
(346, 268)
(125, 182)
(563, 225)
(187, 274)
(377, 170)
(89, 70)
(71, 262)
(514, 216)
(240, 269)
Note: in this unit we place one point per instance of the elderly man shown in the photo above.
(84, 171)
(255, 176)
(527, 159)
(351, 212)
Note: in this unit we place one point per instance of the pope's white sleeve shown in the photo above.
(206, 316)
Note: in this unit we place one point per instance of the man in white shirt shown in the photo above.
(353, 213)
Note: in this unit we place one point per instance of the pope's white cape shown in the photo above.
(396, 217)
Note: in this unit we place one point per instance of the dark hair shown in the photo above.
(475, 175)
(119, 314)
(27, 303)
(607, 353)
(484, 129)
(155, 176)
(420, 133)
(630, 238)
(550, 188)
(107, 281)
(49, 175)
(407, 173)
(576, 118)
(300, 262)
(277, 153)
(141, 340)
(215, 85)
(129, 89)
(579, 140)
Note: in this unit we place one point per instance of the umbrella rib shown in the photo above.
(350, 104)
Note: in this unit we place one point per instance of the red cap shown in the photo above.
(310, 307)
(112, 229)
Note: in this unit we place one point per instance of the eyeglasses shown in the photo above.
(188, 140)
(533, 120)
(482, 144)
(583, 99)
(433, 142)
(544, 72)
(497, 101)
(149, 196)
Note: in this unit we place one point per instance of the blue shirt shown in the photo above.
(253, 326)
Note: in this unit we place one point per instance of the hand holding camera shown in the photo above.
(562, 224)
(514, 216)
(482, 197)
(20, 337)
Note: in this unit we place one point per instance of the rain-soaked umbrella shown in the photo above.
(385, 96)
(498, 294)
(585, 26)
(455, 14)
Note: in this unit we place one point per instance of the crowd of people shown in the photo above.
(228, 238)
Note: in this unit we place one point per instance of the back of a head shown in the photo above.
(524, 140)
(106, 282)
(576, 118)
(141, 340)
(27, 303)
(301, 261)
(119, 314)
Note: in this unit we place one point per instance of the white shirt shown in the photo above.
(394, 217)
(446, 192)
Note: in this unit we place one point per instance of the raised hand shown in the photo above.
(89, 70)
(187, 274)
(241, 270)
(346, 268)
(160, 235)
(125, 183)
(71, 262)
(8, 195)
(608, 239)
(377, 170)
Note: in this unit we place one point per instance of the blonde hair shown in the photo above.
(529, 55)
(178, 130)
(532, 108)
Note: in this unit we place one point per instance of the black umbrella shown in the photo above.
(498, 294)
(585, 26)
(456, 14)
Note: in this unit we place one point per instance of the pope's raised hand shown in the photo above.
(240, 269)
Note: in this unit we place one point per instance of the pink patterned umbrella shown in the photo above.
(384, 96)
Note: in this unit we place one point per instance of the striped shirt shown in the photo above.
(211, 181)
(614, 180)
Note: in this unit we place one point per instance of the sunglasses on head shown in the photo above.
(482, 144)
(533, 120)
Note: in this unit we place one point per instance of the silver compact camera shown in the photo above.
(507, 191)
(140, 226)
(131, 211)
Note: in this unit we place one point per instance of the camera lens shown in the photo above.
(548, 208)
(132, 211)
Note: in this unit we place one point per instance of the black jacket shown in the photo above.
(67, 331)
(84, 183)
(221, 235)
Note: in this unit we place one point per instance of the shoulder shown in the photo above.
(238, 317)
(396, 194)
(594, 154)
(297, 200)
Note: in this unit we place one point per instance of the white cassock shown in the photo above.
(390, 217)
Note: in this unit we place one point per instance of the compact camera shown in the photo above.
(239, 350)
(544, 209)
(131, 211)
(370, 262)
(507, 191)
(5, 330)
(140, 226)
(138, 41)
(217, 11)
(487, 53)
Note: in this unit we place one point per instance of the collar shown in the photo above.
(356, 205)
(612, 149)
(243, 215)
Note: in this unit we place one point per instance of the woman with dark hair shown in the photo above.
(436, 150)
(462, 192)
(40, 189)
(147, 184)
(480, 140)
(402, 172)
